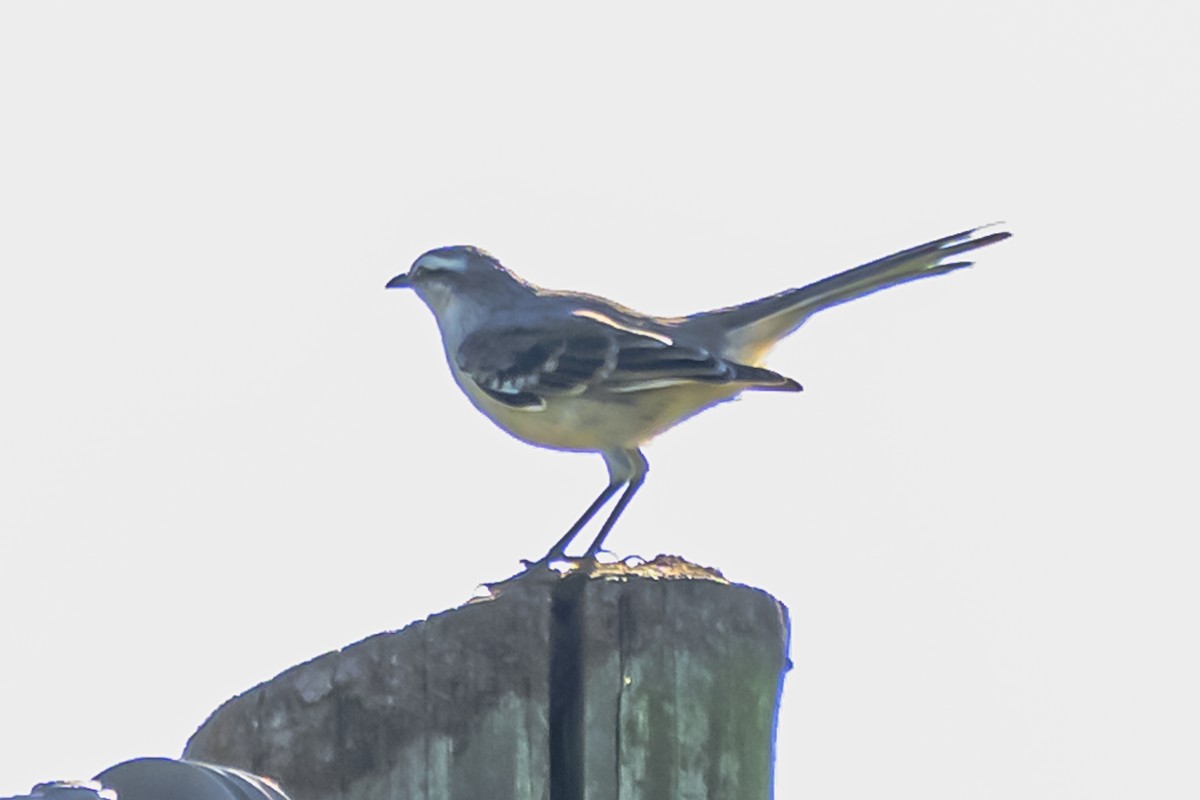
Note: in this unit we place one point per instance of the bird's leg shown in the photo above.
(625, 468)
(559, 550)
(634, 485)
(632, 466)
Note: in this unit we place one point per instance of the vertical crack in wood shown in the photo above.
(339, 739)
(422, 635)
(258, 723)
(567, 689)
(624, 646)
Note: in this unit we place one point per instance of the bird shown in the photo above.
(577, 372)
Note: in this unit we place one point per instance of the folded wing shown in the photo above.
(524, 366)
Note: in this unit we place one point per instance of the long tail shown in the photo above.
(751, 329)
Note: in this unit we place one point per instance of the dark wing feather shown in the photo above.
(523, 365)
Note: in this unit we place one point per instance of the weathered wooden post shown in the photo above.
(659, 682)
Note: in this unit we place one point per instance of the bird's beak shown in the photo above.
(399, 282)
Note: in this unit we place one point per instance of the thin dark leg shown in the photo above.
(560, 547)
(634, 485)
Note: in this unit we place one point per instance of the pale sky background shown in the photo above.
(225, 448)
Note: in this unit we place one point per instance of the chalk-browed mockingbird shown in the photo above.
(573, 371)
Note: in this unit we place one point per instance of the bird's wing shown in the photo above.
(524, 365)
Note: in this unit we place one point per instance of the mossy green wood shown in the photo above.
(630, 683)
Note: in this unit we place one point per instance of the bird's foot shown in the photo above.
(558, 564)
(550, 568)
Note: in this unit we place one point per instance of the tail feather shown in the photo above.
(751, 329)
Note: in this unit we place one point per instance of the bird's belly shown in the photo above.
(600, 421)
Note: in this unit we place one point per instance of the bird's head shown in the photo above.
(439, 275)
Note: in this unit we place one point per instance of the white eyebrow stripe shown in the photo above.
(456, 263)
(610, 322)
